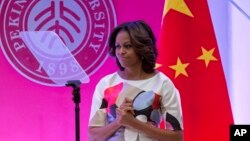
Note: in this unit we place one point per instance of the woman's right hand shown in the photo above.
(125, 112)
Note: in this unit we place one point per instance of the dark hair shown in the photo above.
(143, 41)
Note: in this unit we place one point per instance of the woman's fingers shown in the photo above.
(127, 109)
(127, 101)
(127, 106)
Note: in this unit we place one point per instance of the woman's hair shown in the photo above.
(142, 40)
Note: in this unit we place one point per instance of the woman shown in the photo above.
(132, 103)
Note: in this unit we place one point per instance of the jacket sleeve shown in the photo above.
(171, 107)
(98, 113)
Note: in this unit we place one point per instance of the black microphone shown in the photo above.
(73, 83)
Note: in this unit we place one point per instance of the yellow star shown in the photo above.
(179, 68)
(177, 5)
(207, 56)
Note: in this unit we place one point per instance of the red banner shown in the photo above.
(189, 55)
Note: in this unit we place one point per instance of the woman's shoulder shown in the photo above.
(110, 78)
(163, 76)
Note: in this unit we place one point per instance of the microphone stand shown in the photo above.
(77, 99)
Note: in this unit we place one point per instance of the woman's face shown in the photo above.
(125, 52)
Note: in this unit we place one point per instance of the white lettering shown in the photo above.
(99, 16)
(18, 46)
(16, 12)
(20, 2)
(14, 34)
(240, 132)
(14, 22)
(39, 69)
(243, 131)
(237, 132)
(95, 46)
(94, 3)
(99, 36)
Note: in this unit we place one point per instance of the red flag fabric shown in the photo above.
(189, 55)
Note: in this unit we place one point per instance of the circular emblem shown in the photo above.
(50, 42)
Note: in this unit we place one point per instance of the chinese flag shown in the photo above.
(189, 55)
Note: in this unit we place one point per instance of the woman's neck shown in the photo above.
(135, 74)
